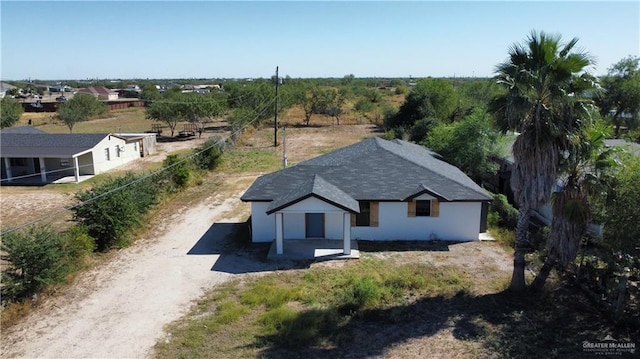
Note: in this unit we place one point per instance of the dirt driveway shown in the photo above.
(118, 309)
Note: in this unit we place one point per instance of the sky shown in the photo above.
(244, 39)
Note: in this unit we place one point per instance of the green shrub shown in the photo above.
(110, 209)
(208, 154)
(37, 257)
(502, 213)
(177, 173)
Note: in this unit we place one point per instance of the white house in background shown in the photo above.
(100, 92)
(29, 155)
(373, 190)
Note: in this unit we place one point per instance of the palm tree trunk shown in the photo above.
(522, 239)
(541, 278)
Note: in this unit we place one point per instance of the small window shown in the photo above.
(64, 163)
(107, 156)
(423, 208)
(363, 219)
(117, 151)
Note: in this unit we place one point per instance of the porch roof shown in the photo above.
(316, 186)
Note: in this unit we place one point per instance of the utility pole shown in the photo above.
(275, 120)
(284, 147)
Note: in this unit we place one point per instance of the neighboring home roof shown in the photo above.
(6, 87)
(632, 147)
(34, 144)
(21, 129)
(373, 169)
(97, 90)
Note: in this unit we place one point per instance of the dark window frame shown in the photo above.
(423, 208)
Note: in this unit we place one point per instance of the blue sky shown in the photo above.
(209, 39)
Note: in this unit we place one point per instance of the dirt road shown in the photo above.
(118, 310)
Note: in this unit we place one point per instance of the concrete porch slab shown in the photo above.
(313, 249)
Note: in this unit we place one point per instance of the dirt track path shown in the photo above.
(118, 309)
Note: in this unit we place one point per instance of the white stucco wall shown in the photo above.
(263, 226)
(101, 164)
(458, 221)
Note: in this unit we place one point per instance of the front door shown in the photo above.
(314, 225)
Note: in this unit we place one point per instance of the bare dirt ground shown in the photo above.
(119, 308)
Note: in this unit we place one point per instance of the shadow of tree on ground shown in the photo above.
(500, 325)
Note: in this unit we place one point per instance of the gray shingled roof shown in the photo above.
(48, 145)
(21, 129)
(316, 186)
(375, 170)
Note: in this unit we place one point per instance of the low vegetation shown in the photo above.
(288, 314)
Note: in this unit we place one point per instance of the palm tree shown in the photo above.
(545, 82)
(584, 179)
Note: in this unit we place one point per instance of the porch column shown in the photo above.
(43, 171)
(346, 233)
(7, 166)
(279, 233)
(76, 169)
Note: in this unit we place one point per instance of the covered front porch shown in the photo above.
(318, 249)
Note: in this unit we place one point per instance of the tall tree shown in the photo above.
(80, 108)
(10, 112)
(166, 109)
(467, 144)
(430, 98)
(586, 179)
(546, 82)
(620, 99)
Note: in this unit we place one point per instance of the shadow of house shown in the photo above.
(236, 254)
(499, 325)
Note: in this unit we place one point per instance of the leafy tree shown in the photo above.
(467, 144)
(430, 98)
(622, 219)
(80, 108)
(478, 92)
(363, 107)
(149, 93)
(10, 112)
(546, 83)
(621, 95)
(35, 260)
(166, 109)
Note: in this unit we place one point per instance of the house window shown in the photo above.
(423, 208)
(117, 151)
(64, 163)
(107, 156)
(363, 219)
(368, 216)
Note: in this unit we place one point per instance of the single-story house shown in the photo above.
(29, 155)
(99, 92)
(375, 190)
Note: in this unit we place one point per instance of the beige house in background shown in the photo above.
(31, 156)
(99, 92)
